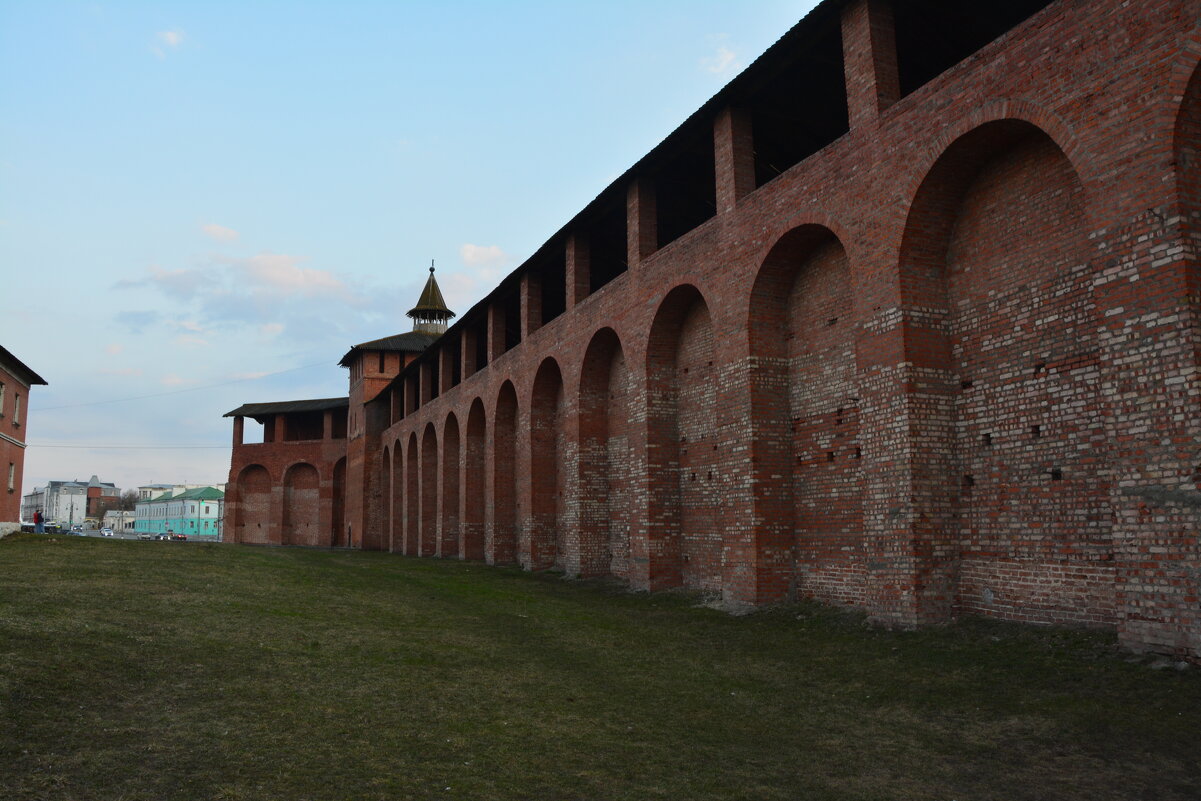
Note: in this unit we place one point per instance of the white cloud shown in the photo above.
(463, 288)
(175, 283)
(188, 325)
(271, 330)
(722, 62)
(172, 380)
(113, 348)
(219, 232)
(483, 255)
(280, 272)
(190, 339)
(122, 371)
(166, 40)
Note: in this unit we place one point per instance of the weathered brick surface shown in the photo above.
(946, 364)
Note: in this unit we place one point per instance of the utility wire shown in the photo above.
(174, 391)
(133, 447)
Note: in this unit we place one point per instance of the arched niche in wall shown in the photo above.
(606, 483)
(805, 409)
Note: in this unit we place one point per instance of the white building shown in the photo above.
(118, 521)
(69, 503)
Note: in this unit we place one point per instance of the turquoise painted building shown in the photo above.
(198, 513)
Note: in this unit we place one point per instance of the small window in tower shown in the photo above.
(381, 362)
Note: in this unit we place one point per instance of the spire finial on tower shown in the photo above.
(430, 314)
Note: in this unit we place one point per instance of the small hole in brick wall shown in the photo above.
(710, 475)
(693, 477)
(1056, 474)
(969, 481)
(1039, 367)
(832, 321)
(987, 440)
(800, 459)
(1036, 431)
(829, 456)
(965, 384)
(710, 363)
(714, 447)
(858, 453)
(685, 370)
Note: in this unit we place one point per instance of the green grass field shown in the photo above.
(144, 670)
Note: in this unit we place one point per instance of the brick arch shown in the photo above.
(448, 544)
(388, 478)
(412, 519)
(428, 543)
(340, 536)
(545, 532)
(681, 386)
(474, 450)
(606, 481)
(805, 416)
(396, 472)
(253, 522)
(301, 505)
(1002, 332)
(995, 114)
(502, 526)
(1187, 151)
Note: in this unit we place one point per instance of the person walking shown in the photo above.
(39, 522)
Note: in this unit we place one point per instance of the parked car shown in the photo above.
(76, 529)
(179, 537)
(106, 532)
(145, 535)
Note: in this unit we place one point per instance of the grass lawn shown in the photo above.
(144, 670)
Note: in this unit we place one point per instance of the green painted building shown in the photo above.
(198, 513)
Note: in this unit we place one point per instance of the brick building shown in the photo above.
(16, 379)
(904, 318)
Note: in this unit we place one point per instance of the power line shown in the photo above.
(175, 391)
(133, 447)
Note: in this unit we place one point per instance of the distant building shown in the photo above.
(15, 381)
(197, 512)
(118, 520)
(149, 491)
(71, 502)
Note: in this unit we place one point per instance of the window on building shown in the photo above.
(1, 397)
(16, 409)
(12, 476)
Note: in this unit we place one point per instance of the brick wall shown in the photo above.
(945, 364)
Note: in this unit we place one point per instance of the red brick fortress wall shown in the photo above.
(945, 363)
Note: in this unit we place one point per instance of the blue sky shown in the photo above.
(206, 203)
